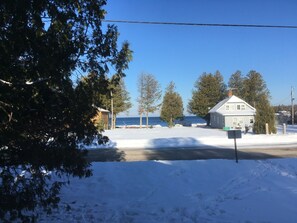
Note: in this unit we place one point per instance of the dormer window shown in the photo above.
(227, 107)
(238, 107)
(242, 107)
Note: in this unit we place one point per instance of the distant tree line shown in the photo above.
(288, 109)
(278, 108)
(149, 98)
(209, 89)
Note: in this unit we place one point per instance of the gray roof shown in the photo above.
(219, 105)
(233, 99)
(100, 109)
(103, 110)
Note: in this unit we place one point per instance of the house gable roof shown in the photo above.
(103, 110)
(100, 109)
(232, 100)
(218, 105)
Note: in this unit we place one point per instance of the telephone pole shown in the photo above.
(112, 126)
(292, 100)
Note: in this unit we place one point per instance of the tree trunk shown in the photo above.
(140, 120)
(147, 120)
(114, 121)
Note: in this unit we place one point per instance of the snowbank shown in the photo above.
(182, 191)
(187, 137)
(207, 191)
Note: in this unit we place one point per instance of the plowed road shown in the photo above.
(101, 155)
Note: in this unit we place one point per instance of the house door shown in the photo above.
(238, 123)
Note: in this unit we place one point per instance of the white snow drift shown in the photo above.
(183, 191)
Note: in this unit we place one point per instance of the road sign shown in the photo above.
(234, 134)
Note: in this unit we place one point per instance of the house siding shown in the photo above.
(232, 112)
(239, 121)
(217, 120)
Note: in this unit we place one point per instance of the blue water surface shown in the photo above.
(186, 121)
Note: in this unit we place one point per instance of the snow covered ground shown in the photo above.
(183, 191)
(163, 137)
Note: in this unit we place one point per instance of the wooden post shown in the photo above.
(292, 100)
(111, 103)
(267, 128)
(236, 156)
(234, 134)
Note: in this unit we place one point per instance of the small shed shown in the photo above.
(232, 113)
(101, 118)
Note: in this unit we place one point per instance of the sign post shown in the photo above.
(234, 134)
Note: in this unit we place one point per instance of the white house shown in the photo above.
(233, 113)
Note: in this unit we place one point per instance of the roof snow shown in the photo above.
(232, 99)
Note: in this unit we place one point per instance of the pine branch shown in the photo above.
(10, 84)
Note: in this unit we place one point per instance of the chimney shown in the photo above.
(230, 93)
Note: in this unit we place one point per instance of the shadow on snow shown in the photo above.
(175, 149)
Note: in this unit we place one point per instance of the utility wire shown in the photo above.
(200, 24)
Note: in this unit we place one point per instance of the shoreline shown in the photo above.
(158, 126)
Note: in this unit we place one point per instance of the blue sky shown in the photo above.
(182, 53)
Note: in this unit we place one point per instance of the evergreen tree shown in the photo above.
(219, 80)
(42, 115)
(209, 90)
(96, 87)
(121, 99)
(256, 93)
(236, 84)
(264, 114)
(172, 106)
(254, 88)
(149, 94)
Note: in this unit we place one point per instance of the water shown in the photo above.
(187, 121)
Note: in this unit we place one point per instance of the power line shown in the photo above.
(200, 24)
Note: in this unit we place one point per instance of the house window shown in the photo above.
(238, 107)
(227, 107)
(242, 107)
(251, 121)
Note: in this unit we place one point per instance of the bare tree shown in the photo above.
(149, 95)
(140, 98)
